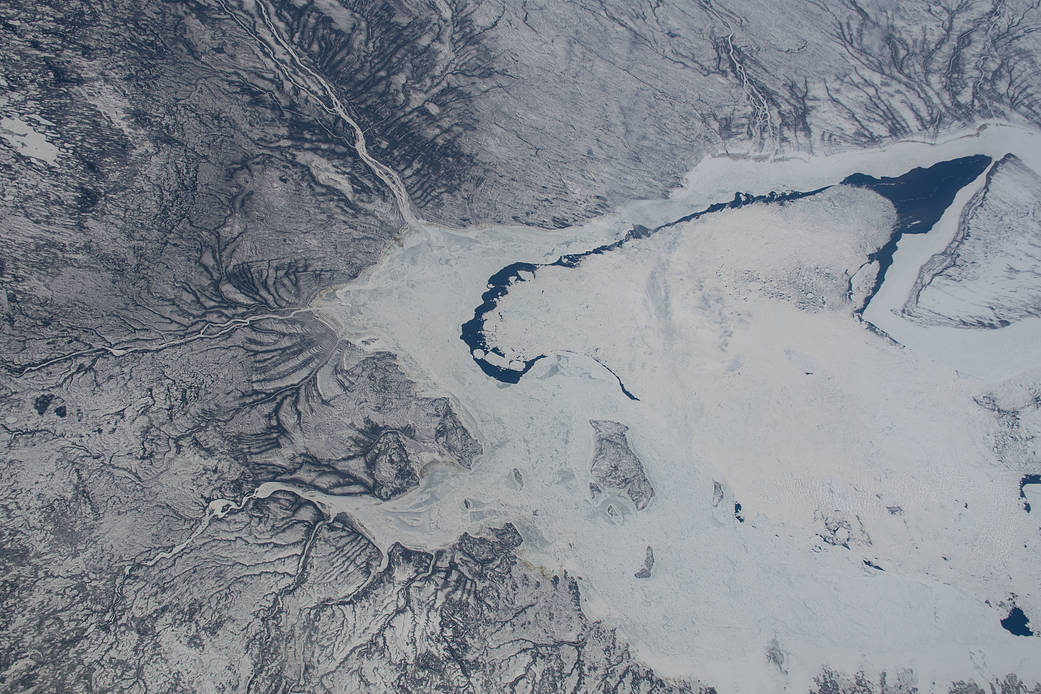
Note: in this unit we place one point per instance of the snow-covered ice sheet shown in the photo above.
(878, 528)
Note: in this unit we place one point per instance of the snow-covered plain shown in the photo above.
(752, 372)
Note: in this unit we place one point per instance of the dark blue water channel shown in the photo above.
(1027, 479)
(920, 197)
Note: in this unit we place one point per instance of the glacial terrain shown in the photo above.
(520, 347)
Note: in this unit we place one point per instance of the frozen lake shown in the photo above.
(759, 385)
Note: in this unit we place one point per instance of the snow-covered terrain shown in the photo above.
(878, 527)
(510, 347)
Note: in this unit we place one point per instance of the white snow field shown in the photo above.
(736, 333)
